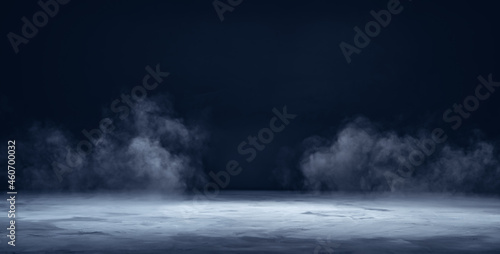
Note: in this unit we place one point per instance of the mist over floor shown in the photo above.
(256, 222)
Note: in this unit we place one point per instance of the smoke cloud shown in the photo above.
(363, 158)
(151, 149)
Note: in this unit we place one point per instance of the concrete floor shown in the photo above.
(255, 222)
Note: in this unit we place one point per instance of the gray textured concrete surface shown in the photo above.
(254, 222)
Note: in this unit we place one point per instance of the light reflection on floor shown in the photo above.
(256, 222)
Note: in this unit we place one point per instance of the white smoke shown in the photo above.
(362, 158)
(149, 150)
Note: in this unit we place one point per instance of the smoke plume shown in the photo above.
(362, 158)
(151, 149)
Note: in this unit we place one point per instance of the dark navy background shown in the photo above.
(227, 76)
